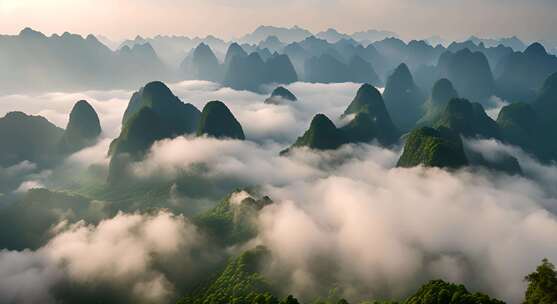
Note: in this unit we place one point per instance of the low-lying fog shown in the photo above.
(381, 231)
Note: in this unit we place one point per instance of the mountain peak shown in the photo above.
(402, 72)
(443, 91)
(203, 50)
(372, 119)
(16, 115)
(431, 147)
(279, 94)
(321, 121)
(234, 49)
(217, 121)
(83, 127)
(182, 117)
(321, 135)
(31, 33)
(535, 49)
(367, 97)
(403, 98)
(468, 119)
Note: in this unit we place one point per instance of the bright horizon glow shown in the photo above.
(411, 19)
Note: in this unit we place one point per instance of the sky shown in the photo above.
(118, 19)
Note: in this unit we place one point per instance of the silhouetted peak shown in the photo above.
(367, 97)
(203, 50)
(321, 135)
(81, 109)
(144, 49)
(92, 38)
(217, 121)
(272, 39)
(68, 35)
(402, 74)
(418, 44)
(279, 94)
(443, 91)
(321, 121)
(31, 33)
(314, 40)
(284, 93)
(331, 30)
(16, 115)
(535, 49)
(393, 41)
(82, 129)
(234, 49)
(156, 90)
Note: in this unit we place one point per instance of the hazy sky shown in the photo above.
(454, 19)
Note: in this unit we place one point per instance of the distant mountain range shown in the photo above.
(31, 61)
(36, 62)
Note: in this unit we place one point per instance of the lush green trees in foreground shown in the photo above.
(241, 283)
(542, 285)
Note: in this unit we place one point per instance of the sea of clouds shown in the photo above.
(347, 218)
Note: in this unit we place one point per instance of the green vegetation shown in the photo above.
(368, 99)
(140, 132)
(137, 136)
(440, 292)
(322, 135)
(433, 148)
(154, 113)
(232, 222)
(240, 282)
(372, 119)
(542, 285)
(217, 121)
(372, 122)
(181, 118)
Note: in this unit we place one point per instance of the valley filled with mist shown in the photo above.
(284, 166)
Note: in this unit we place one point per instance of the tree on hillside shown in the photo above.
(542, 285)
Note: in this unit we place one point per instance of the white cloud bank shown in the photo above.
(379, 230)
(384, 231)
(121, 252)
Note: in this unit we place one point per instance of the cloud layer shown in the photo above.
(385, 230)
(346, 218)
(119, 254)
